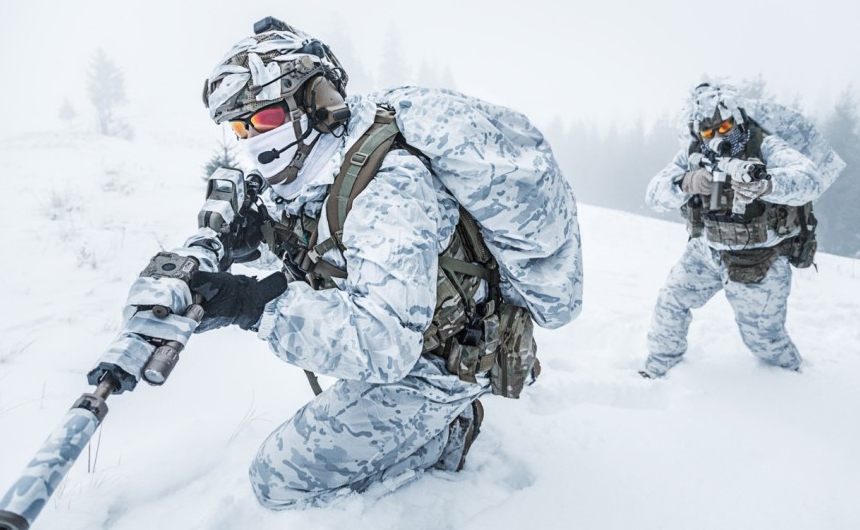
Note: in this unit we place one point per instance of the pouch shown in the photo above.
(735, 230)
(749, 266)
(467, 358)
(801, 253)
(516, 357)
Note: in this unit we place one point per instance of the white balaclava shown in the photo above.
(274, 141)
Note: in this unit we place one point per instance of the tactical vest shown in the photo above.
(751, 227)
(474, 337)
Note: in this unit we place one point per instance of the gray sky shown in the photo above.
(602, 62)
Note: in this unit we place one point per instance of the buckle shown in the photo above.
(358, 159)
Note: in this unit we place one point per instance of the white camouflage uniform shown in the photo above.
(760, 308)
(389, 413)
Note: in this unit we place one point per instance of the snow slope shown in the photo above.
(723, 442)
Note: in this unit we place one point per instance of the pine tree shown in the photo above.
(67, 111)
(838, 208)
(360, 80)
(447, 79)
(393, 70)
(755, 88)
(106, 87)
(222, 156)
(661, 143)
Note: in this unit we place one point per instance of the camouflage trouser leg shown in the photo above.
(692, 282)
(356, 434)
(760, 310)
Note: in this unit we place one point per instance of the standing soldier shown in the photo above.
(746, 192)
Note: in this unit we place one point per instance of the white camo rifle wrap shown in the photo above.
(389, 414)
(130, 350)
(52, 462)
(759, 308)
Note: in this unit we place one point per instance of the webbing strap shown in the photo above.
(325, 268)
(753, 147)
(469, 269)
(345, 195)
(325, 246)
(804, 213)
(314, 382)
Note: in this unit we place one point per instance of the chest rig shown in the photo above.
(465, 331)
(750, 228)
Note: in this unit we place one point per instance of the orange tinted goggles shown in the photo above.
(264, 120)
(722, 128)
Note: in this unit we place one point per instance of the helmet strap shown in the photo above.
(291, 172)
(295, 117)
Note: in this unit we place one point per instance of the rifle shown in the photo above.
(228, 211)
(26, 498)
(724, 169)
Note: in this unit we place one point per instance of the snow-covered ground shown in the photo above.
(723, 442)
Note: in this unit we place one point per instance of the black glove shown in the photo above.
(234, 299)
(247, 238)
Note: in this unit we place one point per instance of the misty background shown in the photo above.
(603, 81)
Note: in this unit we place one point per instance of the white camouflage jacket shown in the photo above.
(795, 178)
(371, 327)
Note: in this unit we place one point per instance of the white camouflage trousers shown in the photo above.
(760, 309)
(357, 434)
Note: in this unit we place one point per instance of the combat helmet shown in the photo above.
(713, 102)
(279, 63)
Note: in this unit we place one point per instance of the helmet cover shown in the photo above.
(266, 68)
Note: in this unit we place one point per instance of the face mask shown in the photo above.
(736, 138)
(276, 139)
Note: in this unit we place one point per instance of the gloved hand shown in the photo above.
(747, 192)
(697, 182)
(234, 299)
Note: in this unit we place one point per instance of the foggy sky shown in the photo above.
(604, 62)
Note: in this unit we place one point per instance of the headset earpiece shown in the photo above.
(324, 104)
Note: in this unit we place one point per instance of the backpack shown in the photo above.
(799, 133)
(495, 335)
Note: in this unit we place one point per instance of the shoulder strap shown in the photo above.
(753, 147)
(695, 147)
(361, 163)
(807, 219)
